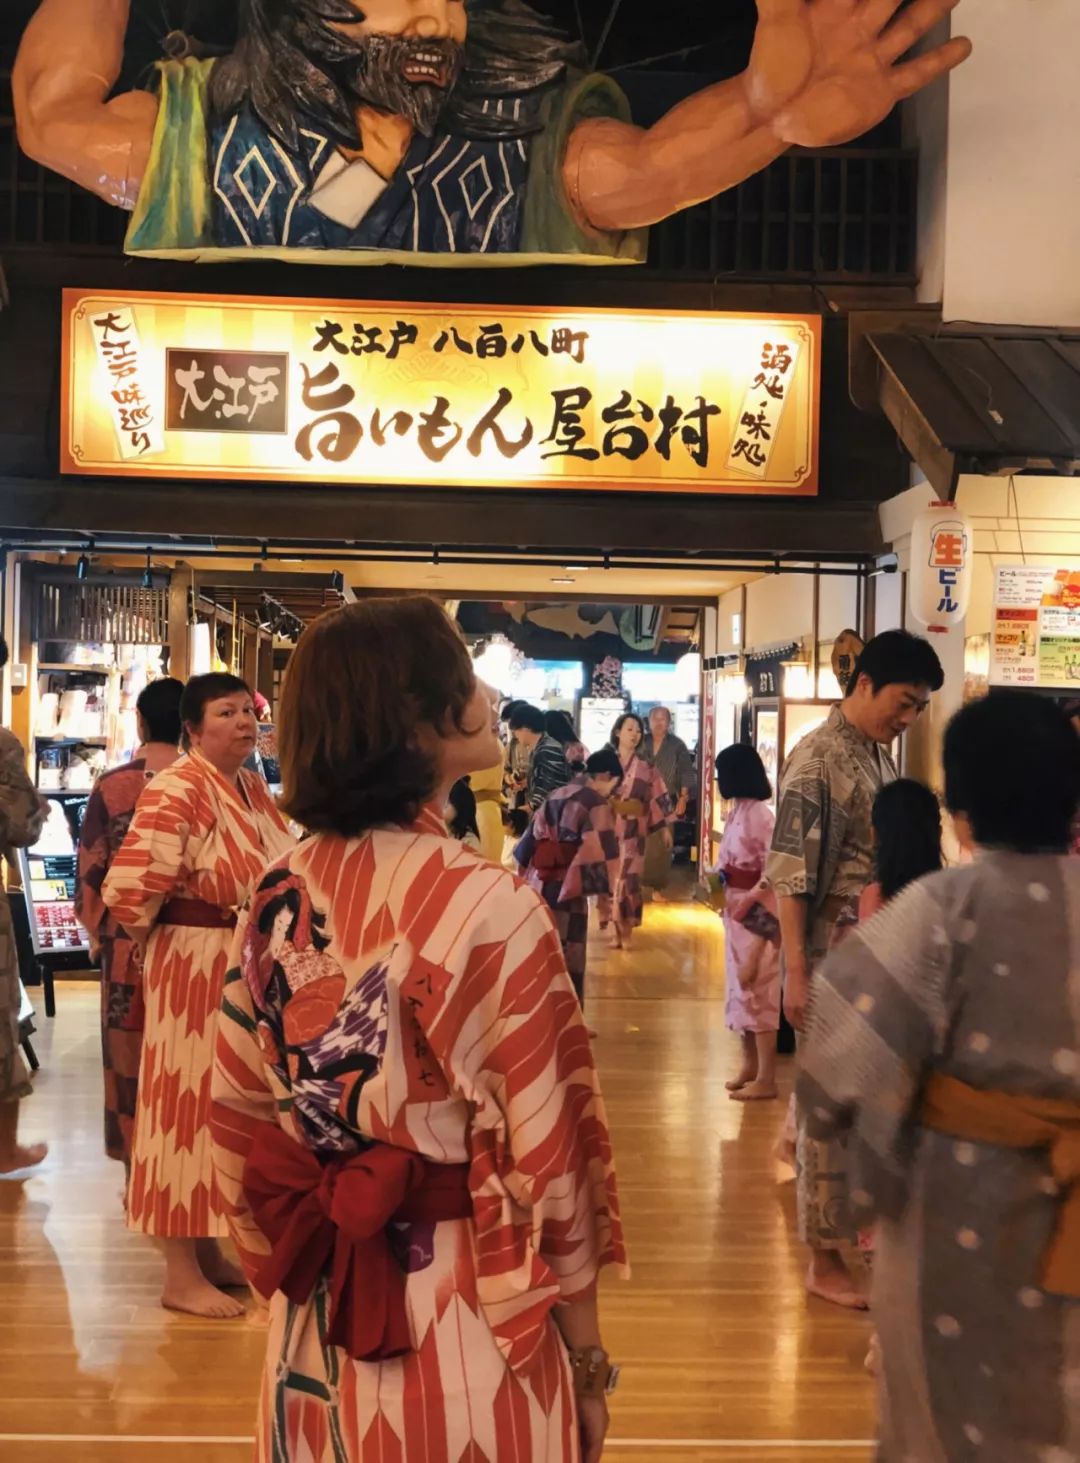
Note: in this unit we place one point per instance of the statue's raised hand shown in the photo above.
(825, 71)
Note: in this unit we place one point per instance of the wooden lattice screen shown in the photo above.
(96, 614)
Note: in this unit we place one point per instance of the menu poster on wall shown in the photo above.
(48, 878)
(1036, 631)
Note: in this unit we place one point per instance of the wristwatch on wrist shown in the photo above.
(594, 1373)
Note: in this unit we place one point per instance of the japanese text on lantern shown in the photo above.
(948, 557)
(455, 395)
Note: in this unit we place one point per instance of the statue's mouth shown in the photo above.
(427, 68)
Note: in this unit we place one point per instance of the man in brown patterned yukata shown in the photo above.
(821, 860)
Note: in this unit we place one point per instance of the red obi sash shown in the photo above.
(333, 1217)
(196, 914)
(742, 879)
(554, 857)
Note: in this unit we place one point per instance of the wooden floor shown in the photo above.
(723, 1357)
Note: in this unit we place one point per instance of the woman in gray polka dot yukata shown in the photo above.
(968, 984)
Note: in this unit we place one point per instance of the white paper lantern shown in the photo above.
(942, 563)
(497, 664)
(688, 676)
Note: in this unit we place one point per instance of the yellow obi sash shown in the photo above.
(1012, 1120)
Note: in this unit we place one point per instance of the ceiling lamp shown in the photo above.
(495, 664)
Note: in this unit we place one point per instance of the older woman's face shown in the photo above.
(226, 735)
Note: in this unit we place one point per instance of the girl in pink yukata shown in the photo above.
(751, 928)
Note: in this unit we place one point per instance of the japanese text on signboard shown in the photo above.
(459, 395)
(123, 366)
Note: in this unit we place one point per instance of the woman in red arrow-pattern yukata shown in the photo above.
(408, 1131)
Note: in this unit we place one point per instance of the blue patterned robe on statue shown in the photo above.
(221, 187)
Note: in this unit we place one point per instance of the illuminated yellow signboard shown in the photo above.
(347, 391)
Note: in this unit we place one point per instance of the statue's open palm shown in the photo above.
(826, 71)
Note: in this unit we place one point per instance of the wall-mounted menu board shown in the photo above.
(1035, 640)
(48, 876)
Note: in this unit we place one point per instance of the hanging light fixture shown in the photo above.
(148, 573)
(496, 663)
(688, 675)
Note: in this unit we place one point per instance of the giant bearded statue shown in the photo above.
(459, 129)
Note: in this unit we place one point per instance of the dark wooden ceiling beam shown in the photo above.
(416, 518)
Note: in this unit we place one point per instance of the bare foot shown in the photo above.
(200, 1298)
(615, 937)
(756, 1092)
(744, 1079)
(20, 1157)
(836, 1286)
(873, 1356)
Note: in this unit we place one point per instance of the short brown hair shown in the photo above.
(360, 682)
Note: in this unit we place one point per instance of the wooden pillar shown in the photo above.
(249, 653)
(264, 675)
(179, 624)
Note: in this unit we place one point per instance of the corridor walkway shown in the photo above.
(723, 1357)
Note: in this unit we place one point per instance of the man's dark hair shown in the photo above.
(557, 724)
(897, 658)
(604, 763)
(740, 773)
(1012, 766)
(527, 718)
(290, 66)
(159, 707)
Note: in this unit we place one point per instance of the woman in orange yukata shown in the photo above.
(408, 1130)
(202, 833)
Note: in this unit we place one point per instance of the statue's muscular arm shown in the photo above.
(820, 73)
(68, 62)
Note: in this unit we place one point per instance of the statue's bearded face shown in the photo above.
(405, 56)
